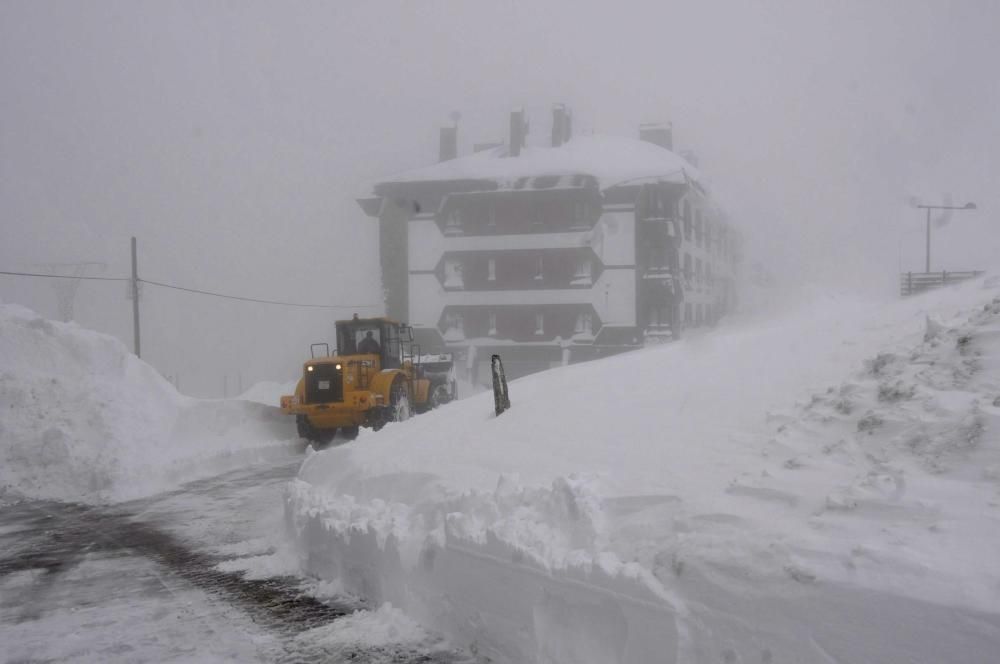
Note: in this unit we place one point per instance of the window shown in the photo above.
(581, 215)
(687, 267)
(453, 273)
(697, 228)
(661, 255)
(655, 205)
(584, 324)
(491, 216)
(454, 327)
(686, 213)
(453, 223)
(583, 274)
(539, 268)
(539, 323)
(658, 315)
(697, 270)
(537, 213)
(687, 313)
(491, 270)
(493, 324)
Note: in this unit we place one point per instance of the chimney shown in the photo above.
(449, 144)
(518, 131)
(562, 125)
(660, 133)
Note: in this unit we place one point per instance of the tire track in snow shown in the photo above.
(62, 533)
(47, 539)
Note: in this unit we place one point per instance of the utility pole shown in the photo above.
(927, 266)
(967, 206)
(135, 301)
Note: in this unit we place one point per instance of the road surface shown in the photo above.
(197, 574)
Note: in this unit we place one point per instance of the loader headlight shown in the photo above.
(338, 367)
(309, 368)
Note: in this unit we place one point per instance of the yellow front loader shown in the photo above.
(376, 375)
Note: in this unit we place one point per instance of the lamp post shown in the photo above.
(967, 206)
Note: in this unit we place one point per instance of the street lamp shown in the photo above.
(967, 206)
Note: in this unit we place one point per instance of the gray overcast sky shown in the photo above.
(232, 138)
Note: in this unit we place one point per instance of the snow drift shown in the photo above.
(82, 418)
(816, 486)
(268, 393)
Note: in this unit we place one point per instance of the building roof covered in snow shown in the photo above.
(611, 160)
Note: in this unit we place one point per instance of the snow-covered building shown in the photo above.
(548, 255)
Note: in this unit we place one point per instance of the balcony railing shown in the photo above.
(657, 272)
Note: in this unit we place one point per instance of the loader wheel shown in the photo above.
(311, 433)
(439, 396)
(350, 433)
(399, 408)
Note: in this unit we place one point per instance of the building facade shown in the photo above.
(551, 255)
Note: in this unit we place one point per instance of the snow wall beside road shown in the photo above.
(82, 418)
(819, 485)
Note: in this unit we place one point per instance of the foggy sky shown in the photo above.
(232, 139)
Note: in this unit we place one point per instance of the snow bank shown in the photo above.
(383, 635)
(816, 486)
(386, 625)
(268, 392)
(81, 418)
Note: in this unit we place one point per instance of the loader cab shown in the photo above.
(393, 340)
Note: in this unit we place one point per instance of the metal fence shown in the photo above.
(912, 283)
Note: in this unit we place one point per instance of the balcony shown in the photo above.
(658, 333)
(660, 272)
(520, 323)
(519, 270)
(671, 224)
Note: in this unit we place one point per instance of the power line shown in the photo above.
(63, 276)
(258, 300)
(197, 291)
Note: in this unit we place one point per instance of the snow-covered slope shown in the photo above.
(815, 486)
(81, 418)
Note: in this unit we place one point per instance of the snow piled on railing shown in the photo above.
(820, 485)
(83, 419)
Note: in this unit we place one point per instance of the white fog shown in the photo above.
(729, 442)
